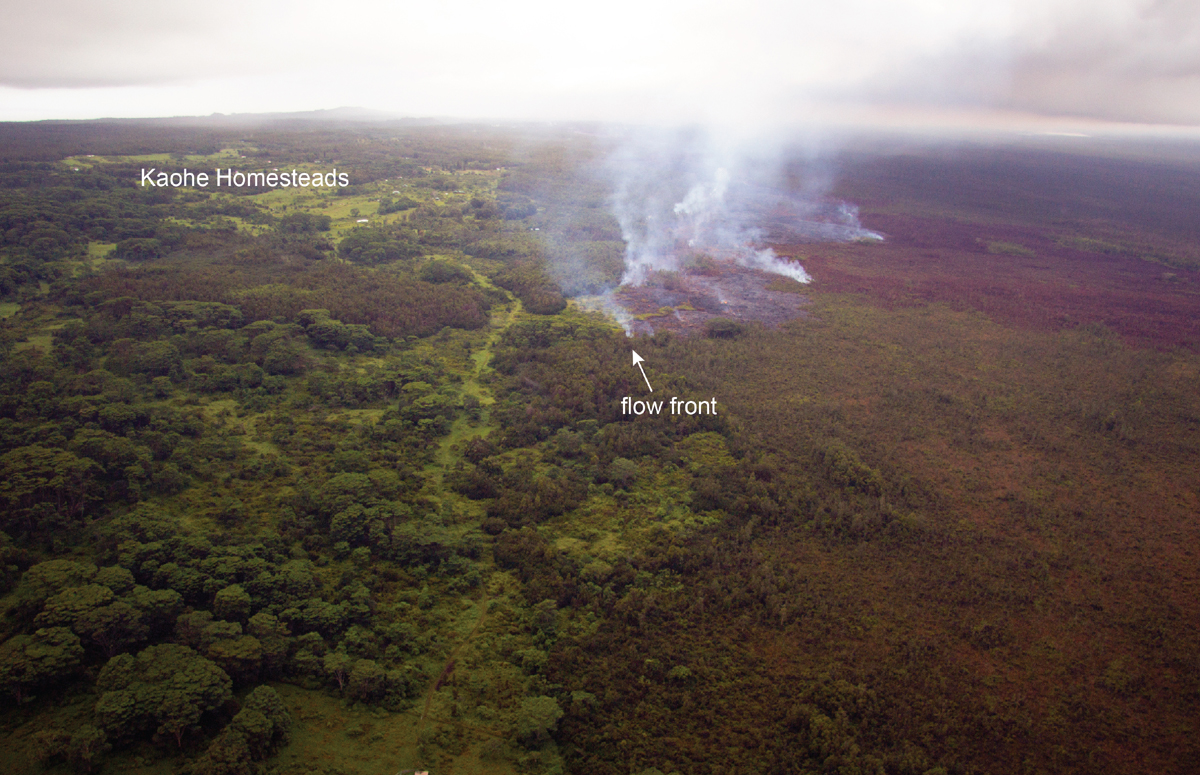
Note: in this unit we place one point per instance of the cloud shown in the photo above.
(754, 62)
(1122, 61)
(75, 43)
(1111, 60)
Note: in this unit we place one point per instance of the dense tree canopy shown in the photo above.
(275, 483)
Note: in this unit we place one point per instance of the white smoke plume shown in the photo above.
(678, 195)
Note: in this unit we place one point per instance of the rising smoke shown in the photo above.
(682, 195)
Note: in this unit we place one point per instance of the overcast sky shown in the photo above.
(749, 62)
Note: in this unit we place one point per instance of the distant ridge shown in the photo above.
(55, 139)
(330, 115)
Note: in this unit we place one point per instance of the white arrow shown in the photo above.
(637, 361)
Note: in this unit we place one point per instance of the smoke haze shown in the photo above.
(683, 195)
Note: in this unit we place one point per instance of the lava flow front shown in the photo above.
(683, 302)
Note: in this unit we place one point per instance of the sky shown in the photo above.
(1053, 64)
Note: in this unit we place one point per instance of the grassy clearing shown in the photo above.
(466, 427)
(81, 162)
(220, 411)
(43, 342)
(100, 250)
(356, 416)
(155, 157)
(1093, 245)
(344, 210)
(1010, 249)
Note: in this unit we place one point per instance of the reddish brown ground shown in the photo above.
(928, 260)
(939, 209)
